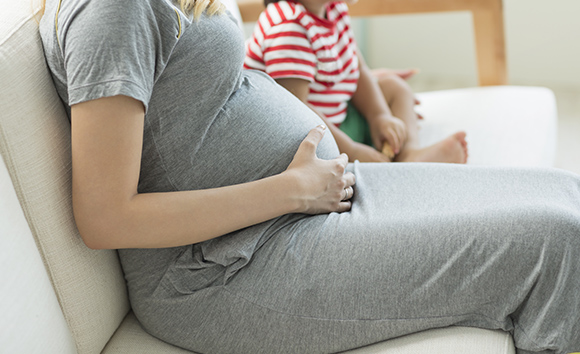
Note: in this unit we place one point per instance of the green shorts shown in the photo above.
(356, 126)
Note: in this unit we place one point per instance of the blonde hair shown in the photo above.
(195, 7)
(198, 6)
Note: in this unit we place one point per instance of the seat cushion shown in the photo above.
(130, 338)
(505, 125)
(451, 340)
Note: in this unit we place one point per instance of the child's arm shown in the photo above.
(354, 150)
(369, 100)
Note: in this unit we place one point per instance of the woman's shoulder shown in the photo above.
(113, 13)
(109, 47)
(116, 22)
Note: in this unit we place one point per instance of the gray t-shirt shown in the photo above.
(208, 122)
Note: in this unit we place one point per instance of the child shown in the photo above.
(307, 46)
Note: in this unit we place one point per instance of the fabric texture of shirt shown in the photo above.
(291, 42)
(205, 125)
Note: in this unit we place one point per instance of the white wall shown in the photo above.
(542, 44)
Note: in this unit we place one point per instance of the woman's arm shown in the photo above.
(107, 138)
(354, 150)
(369, 100)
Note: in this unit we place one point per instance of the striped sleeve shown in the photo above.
(254, 56)
(287, 52)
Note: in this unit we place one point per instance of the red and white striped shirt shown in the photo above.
(290, 42)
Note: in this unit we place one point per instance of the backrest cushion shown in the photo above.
(29, 306)
(232, 7)
(35, 146)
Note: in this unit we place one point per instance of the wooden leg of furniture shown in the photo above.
(490, 43)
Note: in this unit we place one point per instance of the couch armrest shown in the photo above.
(487, 22)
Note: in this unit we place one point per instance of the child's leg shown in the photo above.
(401, 101)
(356, 126)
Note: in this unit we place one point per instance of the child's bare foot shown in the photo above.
(452, 149)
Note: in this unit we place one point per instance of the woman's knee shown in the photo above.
(557, 233)
(565, 227)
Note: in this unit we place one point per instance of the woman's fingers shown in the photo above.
(343, 160)
(324, 185)
(349, 179)
(348, 193)
(310, 143)
(344, 206)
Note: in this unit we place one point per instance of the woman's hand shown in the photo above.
(323, 185)
(388, 129)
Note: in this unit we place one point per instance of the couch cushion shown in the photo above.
(34, 141)
(29, 304)
(451, 340)
(35, 145)
(505, 125)
(132, 339)
(232, 7)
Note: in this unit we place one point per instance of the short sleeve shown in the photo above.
(288, 53)
(116, 48)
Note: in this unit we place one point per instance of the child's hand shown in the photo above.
(388, 129)
(365, 153)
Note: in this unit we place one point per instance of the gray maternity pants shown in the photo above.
(424, 246)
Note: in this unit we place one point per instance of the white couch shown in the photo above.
(58, 296)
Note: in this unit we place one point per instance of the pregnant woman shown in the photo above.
(240, 227)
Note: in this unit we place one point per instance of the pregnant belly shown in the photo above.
(256, 134)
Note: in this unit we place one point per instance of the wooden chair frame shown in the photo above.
(487, 22)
